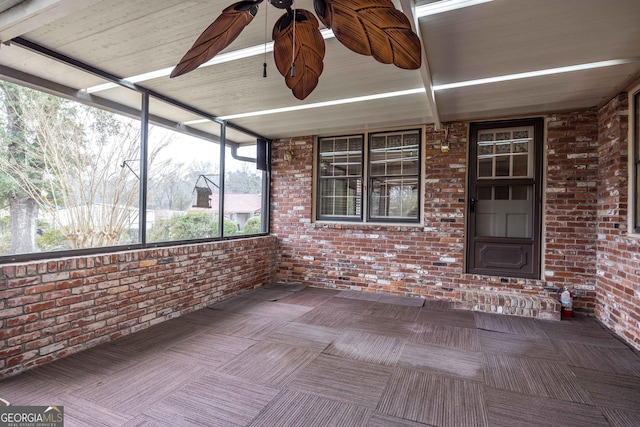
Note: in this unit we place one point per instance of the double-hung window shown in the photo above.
(371, 177)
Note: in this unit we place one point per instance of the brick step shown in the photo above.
(537, 306)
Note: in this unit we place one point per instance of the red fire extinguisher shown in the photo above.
(566, 300)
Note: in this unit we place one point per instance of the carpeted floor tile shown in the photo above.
(268, 363)
(295, 409)
(245, 325)
(609, 390)
(459, 363)
(144, 421)
(330, 318)
(311, 297)
(366, 347)
(211, 349)
(278, 310)
(82, 413)
(438, 305)
(622, 418)
(446, 336)
(88, 367)
(400, 300)
(133, 389)
(394, 311)
(351, 305)
(459, 318)
(508, 324)
(384, 326)
(304, 336)
(346, 380)
(267, 294)
(365, 296)
(508, 409)
(157, 338)
(518, 345)
(289, 287)
(212, 400)
(380, 420)
(610, 359)
(434, 399)
(240, 305)
(535, 377)
(580, 330)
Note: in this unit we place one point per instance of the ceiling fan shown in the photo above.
(368, 27)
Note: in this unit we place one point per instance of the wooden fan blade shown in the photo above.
(308, 55)
(373, 28)
(220, 34)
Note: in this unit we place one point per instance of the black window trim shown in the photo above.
(142, 114)
(634, 160)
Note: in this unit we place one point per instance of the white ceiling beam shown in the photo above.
(29, 15)
(408, 7)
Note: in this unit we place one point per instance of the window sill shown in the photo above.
(369, 226)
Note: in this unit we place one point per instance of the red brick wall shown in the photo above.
(51, 309)
(618, 275)
(571, 151)
(429, 260)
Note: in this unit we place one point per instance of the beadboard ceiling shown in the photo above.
(497, 38)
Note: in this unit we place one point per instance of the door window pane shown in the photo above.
(505, 153)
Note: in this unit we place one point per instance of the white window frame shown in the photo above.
(364, 218)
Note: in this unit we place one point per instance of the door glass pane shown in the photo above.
(485, 193)
(508, 214)
(485, 168)
(505, 153)
(502, 165)
(501, 192)
(520, 166)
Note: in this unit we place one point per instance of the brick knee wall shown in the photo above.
(51, 309)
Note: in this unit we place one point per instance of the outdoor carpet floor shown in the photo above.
(290, 355)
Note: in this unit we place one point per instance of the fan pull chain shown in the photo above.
(264, 65)
(293, 60)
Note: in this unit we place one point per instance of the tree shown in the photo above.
(81, 170)
(16, 144)
(243, 181)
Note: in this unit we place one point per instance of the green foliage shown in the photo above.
(230, 227)
(253, 225)
(5, 234)
(53, 240)
(193, 225)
